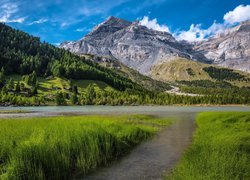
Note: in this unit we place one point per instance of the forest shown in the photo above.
(224, 74)
(35, 63)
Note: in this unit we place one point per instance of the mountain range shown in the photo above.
(145, 49)
(34, 72)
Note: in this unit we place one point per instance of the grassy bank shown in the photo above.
(60, 147)
(220, 149)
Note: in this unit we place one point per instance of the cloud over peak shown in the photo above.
(153, 24)
(196, 33)
(239, 14)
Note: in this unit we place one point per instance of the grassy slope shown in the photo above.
(177, 70)
(220, 149)
(60, 147)
(132, 74)
(145, 81)
(52, 85)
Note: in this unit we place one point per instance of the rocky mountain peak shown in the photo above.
(229, 49)
(109, 26)
(244, 26)
(141, 48)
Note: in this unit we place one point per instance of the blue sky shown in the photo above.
(55, 21)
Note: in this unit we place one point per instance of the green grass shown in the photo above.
(49, 87)
(84, 83)
(55, 84)
(221, 148)
(61, 147)
(178, 70)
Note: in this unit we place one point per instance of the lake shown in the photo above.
(154, 110)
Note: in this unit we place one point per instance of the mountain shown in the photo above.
(229, 49)
(145, 81)
(36, 73)
(23, 54)
(142, 48)
(134, 45)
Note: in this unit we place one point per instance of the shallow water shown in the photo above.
(154, 110)
(150, 160)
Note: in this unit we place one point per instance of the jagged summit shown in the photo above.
(141, 48)
(244, 26)
(116, 20)
(134, 45)
(109, 26)
(230, 49)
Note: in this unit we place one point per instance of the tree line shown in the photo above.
(22, 54)
(25, 55)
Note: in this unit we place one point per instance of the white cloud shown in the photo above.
(196, 33)
(7, 12)
(152, 24)
(56, 44)
(40, 21)
(81, 29)
(64, 24)
(18, 20)
(239, 14)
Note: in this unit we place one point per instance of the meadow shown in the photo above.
(64, 147)
(221, 148)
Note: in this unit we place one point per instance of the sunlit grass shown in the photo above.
(221, 148)
(60, 147)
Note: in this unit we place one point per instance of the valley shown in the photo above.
(85, 94)
(36, 73)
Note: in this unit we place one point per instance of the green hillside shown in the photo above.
(203, 79)
(22, 54)
(187, 70)
(135, 76)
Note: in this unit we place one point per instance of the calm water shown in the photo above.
(150, 160)
(154, 110)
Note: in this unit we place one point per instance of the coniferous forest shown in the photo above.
(37, 73)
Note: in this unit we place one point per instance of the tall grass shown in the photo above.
(221, 148)
(60, 147)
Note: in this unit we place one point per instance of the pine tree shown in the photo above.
(10, 85)
(17, 87)
(2, 77)
(90, 94)
(74, 98)
(60, 99)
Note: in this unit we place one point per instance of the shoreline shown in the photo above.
(133, 105)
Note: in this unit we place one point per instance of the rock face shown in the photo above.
(141, 48)
(134, 45)
(230, 49)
